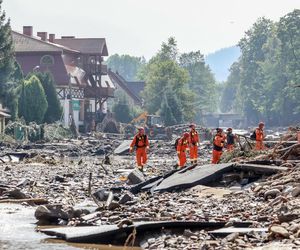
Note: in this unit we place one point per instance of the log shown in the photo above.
(291, 149)
(37, 201)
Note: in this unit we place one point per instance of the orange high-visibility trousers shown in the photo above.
(230, 147)
(216, 155)
(182, 159)
(194, 152)
(259, 145)
(141, 156)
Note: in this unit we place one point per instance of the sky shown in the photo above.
(138, 27)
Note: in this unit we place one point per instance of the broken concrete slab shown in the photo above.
(199, 175)
(104, 233)
(136, 177)
(125, 198)
(123, 148)
(239, 230)
(258, 168)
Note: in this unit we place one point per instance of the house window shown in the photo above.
(47, 60)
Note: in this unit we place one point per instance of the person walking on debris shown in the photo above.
(259, 136)
(194, 143)
(218, 144)
(181, 148)
(230, 140)
(141, 143)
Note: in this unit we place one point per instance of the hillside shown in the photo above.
(221, 60)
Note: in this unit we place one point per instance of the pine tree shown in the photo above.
(33, 103)
(54, 110)
(6, 58)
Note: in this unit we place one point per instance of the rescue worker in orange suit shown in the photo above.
(182, 147)
(230, 139)
(141, 143)
(218, 144)
(193, 143)
(259, 133)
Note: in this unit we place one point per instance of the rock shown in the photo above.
(287, 217)
(194, 237)
(272, 193)
(7, 168)
(59, 178)
(113, 205)
(231, 237)
(240, 242)
(17, 194)
(125, 198)
(101, 194)
(279, 230)
(136, 177)
(23, 183)
(50, 213)
(296, 191)
(188, 233)
(151, 241)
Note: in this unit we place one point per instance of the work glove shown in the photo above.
(130, 150)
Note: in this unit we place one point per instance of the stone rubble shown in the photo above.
(59, 172)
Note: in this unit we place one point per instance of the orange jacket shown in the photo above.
(259, 134)
(139, 141)
(194, 137)
(218, 143)
(182, 145)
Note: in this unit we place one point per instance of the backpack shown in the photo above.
(253, 136)
(176, 143)
(138, 139)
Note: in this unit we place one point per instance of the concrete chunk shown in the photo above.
(136, 177)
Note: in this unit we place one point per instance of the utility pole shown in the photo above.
(71, 111)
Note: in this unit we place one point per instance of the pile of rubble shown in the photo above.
(75, 183)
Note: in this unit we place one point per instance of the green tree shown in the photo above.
(8, 67)
(202, 82)
(289, 36)
(229, 101)
(33, 102)
(163, 72)
(54, 110)
(127, 66)
(252, 77)
(122, 110)
(171, 110)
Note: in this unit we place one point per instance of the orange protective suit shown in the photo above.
(194, 142)
(182, 146)
(218, 145)
(140, 142)
(259, 139)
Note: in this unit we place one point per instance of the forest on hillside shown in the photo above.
(263, 84)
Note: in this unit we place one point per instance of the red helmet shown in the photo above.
(229, 129)
(261, 124)
(140, 128)
(186, 135)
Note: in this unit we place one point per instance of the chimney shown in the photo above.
(51, 38)
(42, 35)
(28, 30)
